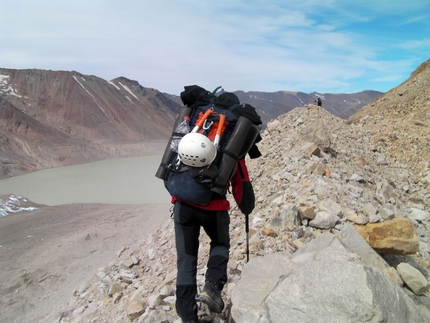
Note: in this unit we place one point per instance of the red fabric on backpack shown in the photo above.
(243, 191)
(213, 129)
(213, 205)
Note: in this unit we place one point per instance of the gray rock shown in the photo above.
(369, 209)
(324, 220)
(126, 276)
(357, 178)
(417, 214)
(317, 133)
(413, 278)
(355, 243)
(115, 288)
(288, 214)
(386, 213)
(351, 292)
(392, 273)
(331, 207)
(316, 169)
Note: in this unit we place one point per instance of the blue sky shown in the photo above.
(330, 46)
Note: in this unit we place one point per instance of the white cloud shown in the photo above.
(414, 45)
(241, 45)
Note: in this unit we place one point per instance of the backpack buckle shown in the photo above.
(207, 125)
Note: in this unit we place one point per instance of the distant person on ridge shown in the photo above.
(319, 102)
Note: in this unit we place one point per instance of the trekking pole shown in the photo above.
(247, 236)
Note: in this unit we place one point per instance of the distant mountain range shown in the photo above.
(58, 118)
(270, 105)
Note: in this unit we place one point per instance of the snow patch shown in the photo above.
(258, 98)
(3, 78)
(76, 79)
(128, 98)
(6, 87)
(112, 83)
(13, 204)
(94, 99)
(128, 90)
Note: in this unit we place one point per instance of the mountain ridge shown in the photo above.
(64, 118)
(60, 118)
(269, 105)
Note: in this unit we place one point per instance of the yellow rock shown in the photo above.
(394, 237)
(269, 233)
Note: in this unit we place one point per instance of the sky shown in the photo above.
(326, 46)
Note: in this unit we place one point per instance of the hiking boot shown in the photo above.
(211, 296)
(193, 320)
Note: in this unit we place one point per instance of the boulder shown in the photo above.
(394, 237)
(317, 133)
(413, 278)
(324, 220)
(321, 282)
(310, 149)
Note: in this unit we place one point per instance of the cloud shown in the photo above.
(309, 45)
(415, 45)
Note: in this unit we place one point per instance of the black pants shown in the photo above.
(188, 220)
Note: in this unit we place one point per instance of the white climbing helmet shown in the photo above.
(196, 150)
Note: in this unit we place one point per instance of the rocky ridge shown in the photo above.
(318, 176)
(399, 120)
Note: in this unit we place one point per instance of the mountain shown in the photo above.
(270, 105)
(402, 117)
(340, 105)
(58, 118)
(340, 231)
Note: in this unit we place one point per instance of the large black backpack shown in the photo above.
(198, 185)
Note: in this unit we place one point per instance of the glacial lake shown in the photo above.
(116, 181)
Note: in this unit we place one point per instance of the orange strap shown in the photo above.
(220, 124)
(200, 122)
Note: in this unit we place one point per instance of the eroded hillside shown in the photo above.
(400, 120)
(58, 118)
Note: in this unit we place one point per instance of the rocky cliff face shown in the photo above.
(57, 118)
(340, 216)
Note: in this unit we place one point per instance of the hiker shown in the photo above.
(213, 216)
(319, 102)
(215, 220)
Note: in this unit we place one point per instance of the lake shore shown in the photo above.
(114, 181)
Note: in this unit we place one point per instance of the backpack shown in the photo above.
(231, 130)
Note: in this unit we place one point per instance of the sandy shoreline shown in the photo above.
(48, 253)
